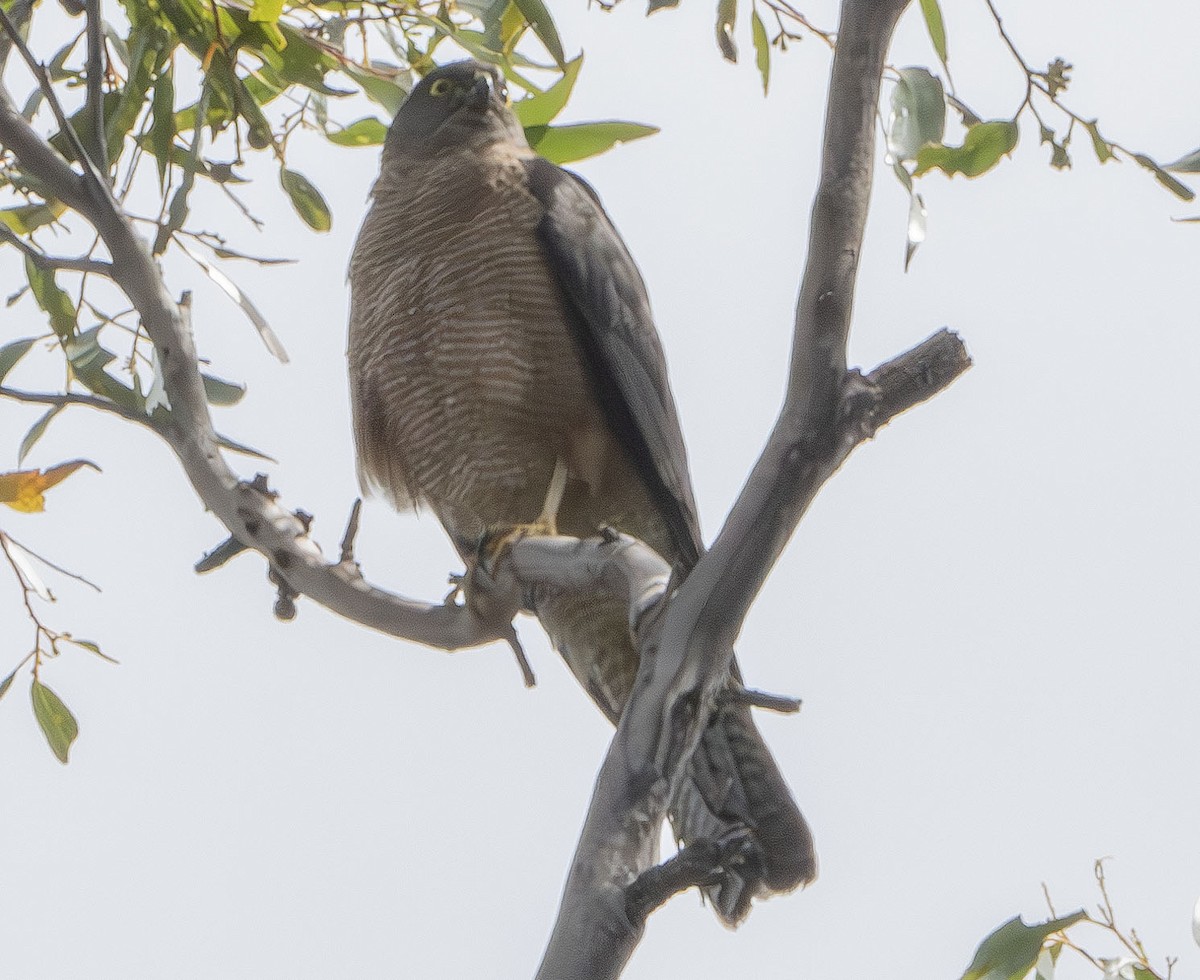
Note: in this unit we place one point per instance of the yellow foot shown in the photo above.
(498, 541)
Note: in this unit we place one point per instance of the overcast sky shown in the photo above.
(991, 612)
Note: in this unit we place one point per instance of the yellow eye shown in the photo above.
(440, 87)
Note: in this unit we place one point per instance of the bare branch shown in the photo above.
(74, 398)
(253, 518)
(687, 644)
(45, 261)
(95, 84)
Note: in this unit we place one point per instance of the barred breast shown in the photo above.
(466, 386)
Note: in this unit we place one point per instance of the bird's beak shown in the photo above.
(482, 90)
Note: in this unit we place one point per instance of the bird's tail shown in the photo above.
(733, 786)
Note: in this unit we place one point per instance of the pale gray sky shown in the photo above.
(991, 612)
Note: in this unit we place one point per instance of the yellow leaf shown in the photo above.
(23, 489)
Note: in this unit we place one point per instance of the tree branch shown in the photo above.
(687, 646)
(45, 261)
(95, 84)
(252, 517)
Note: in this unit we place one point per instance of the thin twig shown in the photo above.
(49, 564)
(44, 261)
(74, 398)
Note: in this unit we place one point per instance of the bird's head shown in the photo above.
(463, 104)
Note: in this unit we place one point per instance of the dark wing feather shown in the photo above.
(610, 314)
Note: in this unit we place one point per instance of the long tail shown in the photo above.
(734, 784)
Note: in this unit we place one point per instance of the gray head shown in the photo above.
(463, 104)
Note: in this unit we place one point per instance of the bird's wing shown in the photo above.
(610, 314)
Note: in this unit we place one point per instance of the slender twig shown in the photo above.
(43, 79)
(95, 84)
(347, 555)
(49, 564)
(75, 398)
(44, 261)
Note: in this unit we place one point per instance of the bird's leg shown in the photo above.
(546, 523)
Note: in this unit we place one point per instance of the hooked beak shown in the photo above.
(486, 87)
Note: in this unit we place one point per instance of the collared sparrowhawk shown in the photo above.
(499, 333)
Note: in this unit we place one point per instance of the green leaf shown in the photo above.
(918, 113)
(1189, 164)
(6, 683)
(985, 144)
(36, 431)
(147, 44)
(11, 353)
(661, 5)
(266, 11)
(306, 199)
(234, 292)
(386, 92)
(762, 48)
(539, 19)
(566, 144)
(1103, 148)
(1176, 187)
(726, 21)
(936, 27)
(1011, 951)
(220, 392)
(162, 122)
(51, 298)
(303, 62)
(1047, 960)
(540, 109)
(25, 218)
(58, 724)
(367, 131)
(88, 359)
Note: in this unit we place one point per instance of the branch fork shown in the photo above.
(685, 630)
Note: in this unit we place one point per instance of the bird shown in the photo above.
(505, 369)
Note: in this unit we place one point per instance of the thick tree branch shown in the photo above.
(254, 518)
(685, 638)
(687, 648)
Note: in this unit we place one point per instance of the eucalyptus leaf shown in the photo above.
(1103, 149)
(306, 199)
(220, 392)
(55, 718)
(1176, 187)
(231, 289)
(162, 121)
(540, 20)
(932, 13)
(10, 354)
(1012, 950)
(762, 48)
(367, 131)
(918, 113)
(726, 22)
(6, 683)
(51, 298)
(36, 431)
(566, 144)
(540, 109)
(984, 145)
(1188, 164)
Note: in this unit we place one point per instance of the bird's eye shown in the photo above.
(440, 87)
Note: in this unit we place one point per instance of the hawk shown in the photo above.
(503, 359)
